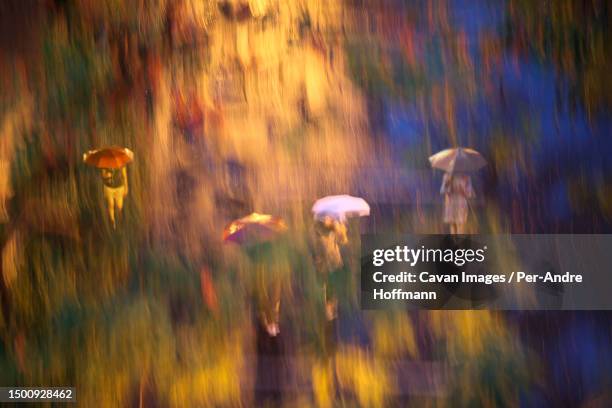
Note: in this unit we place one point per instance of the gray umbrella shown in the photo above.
(459, 159)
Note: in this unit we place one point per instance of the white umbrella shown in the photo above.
(340, 207)
(459, 159)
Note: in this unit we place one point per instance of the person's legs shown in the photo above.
(119, 201)
(119, 198)
(331, 298)
(268, 300)
(331, 306)
(274, 317)
(110, 203)
(460, 228)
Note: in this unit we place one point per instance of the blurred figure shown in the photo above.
(457, 189)
(271, 269)
(456, 163)
(115, 189)
(330, 236)
(261, 237)
(112, 161)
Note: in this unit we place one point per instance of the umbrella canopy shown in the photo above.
(459, 160)
(254, 229)
(340, 207)
(113, 157)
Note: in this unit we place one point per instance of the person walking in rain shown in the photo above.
(457, 163)
(115, 189)
(263, 239)
(331, 234)
(112, 163)
(330, 214)
(457, 189)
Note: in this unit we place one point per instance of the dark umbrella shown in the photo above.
(459, 159)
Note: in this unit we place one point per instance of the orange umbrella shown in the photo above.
(113, 157)
(254, 228)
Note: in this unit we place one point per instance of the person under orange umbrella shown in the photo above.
(112, 163)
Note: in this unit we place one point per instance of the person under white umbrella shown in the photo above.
(330, 214)
(457, 184)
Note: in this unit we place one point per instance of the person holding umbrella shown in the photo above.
(457, 189)
(330, 236)
(457, 184)
(330, 214)
(260, 236)
(112, 163)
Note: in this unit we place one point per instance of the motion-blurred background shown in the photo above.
(237, 106)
